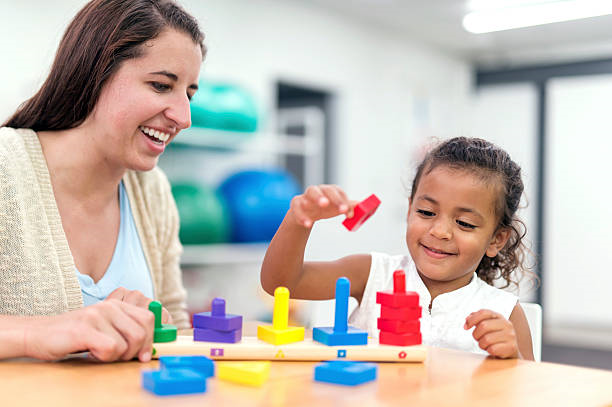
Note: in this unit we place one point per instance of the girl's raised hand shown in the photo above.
(494, 333)
(320, 202)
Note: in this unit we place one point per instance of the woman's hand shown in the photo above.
(137, 298)
(110, 330)
(320, 202)
(494, 333)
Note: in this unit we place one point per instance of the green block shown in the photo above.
(167, 333)
(163, 332)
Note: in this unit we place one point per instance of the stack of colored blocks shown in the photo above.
(216, 325)
(399, 323)
(179, 375)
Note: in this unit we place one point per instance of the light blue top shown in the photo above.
(128, 267)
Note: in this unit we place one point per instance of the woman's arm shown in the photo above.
(110, 330)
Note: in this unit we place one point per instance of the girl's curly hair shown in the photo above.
(492, 164)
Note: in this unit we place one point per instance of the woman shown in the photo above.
(85, 214)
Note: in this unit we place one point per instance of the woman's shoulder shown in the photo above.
(153, 182)
(12, 139)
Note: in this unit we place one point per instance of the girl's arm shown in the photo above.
(284, 264)
(501, 337)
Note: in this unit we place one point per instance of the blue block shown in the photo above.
(201, 364)
(166, 382)
(345, 372)
(352, 336)
(211, 335)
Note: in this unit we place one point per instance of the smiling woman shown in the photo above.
(88, 226)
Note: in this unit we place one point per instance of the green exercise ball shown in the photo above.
(203, 214)
(224, 107)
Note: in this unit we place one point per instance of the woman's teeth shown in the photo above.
(155, 134)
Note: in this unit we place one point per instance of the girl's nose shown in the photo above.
(441, 229)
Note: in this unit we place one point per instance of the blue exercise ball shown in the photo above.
(257, 201)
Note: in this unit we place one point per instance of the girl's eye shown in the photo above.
(465, 224)
(425, 213)
(160, 87)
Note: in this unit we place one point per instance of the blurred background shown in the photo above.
(351, 92)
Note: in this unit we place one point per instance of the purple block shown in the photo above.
(210, 335)
(217, 319)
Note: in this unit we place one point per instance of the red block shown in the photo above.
(399, 297)
(397, 300)
(399, 327)
(402, 314)
(390, 338)
(362, 211)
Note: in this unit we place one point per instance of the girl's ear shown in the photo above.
(498, 242)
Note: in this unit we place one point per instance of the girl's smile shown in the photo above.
(452, 224)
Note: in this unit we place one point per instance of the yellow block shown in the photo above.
(280, 333)
(249, 373)
(274, 336)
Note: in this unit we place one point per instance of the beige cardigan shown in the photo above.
(37, 271)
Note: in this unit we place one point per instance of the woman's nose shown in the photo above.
(180, 112)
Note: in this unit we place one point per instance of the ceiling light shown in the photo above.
(527, 15)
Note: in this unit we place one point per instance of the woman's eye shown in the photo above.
(160, 87)
(425, 213)
(465, 224)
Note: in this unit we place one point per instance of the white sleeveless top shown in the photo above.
(443, 326)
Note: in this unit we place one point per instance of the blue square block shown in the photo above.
(352, 336)
(227, 322)
(345, 372)
(201, 364)
(166, 382)
(211, 335)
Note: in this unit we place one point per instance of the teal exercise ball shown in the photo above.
(203, 215)
(257, 201)
(223, 107)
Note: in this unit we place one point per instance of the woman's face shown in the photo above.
(145, 103)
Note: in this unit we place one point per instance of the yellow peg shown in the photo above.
(279, 332)
(280, 317)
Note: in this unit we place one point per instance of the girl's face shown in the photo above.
(145, 103)
(452, 225)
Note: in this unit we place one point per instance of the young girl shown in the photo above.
(462, 234)
(88, 225)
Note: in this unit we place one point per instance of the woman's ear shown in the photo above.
(498, 242)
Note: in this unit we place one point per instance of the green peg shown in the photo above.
(163, 332)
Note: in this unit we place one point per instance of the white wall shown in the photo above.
(376, 78)
(391, 94)
(578, 268)
(507, 115)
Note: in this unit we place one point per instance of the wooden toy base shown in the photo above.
(251, 348)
